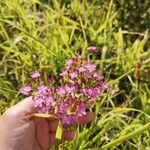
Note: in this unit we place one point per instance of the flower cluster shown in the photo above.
(43, 100)
(26, 90)
(80, 84)
(82, 79)
(70, 109)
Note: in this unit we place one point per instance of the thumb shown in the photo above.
(25, 105)
(17, 115)
(21, 109)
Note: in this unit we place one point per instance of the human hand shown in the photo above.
(19, 130)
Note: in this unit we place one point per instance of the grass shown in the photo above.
(41, 35)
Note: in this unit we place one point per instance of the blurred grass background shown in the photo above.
(42, 34)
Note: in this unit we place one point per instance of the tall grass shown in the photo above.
(41, 35)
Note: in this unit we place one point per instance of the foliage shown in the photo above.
(41, 35)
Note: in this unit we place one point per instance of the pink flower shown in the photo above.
(70, 110)
(90, 67)
(81, 69)
(63, 73)
(80, 85)
(79, 57)
(26, 90)
(96, 75)
(84, 76)
(70, 88)
(43, 100)
(44, 110)
(35, 75)
(42, 89)
(92, 48)
(61, 91)
(73, 74)
(69, 62)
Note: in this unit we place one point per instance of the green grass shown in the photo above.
(41, 35)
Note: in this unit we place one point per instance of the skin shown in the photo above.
(19, 130)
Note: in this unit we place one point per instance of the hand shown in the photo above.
(19, 130)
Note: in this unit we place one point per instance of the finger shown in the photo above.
(53, 125)
(25, 106)
(23, 109)
(42, 133)
(66, 136)
(86, 118)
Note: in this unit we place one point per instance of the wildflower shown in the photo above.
(81, 69)
(42, 89)
(63, 73)
(35, 75)
(26, 90)
(95, 75)
(73, 74)
(83, 74)
(86, 75)
(43, 99)
(92, 48)
(69, 62)
(61, 91)
(70, 88)
(78, 57)
(90, 67)
(80, 86)
(70, 110)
